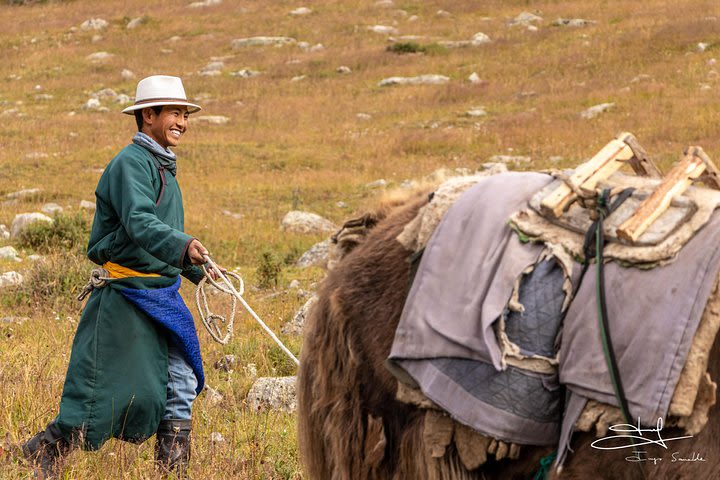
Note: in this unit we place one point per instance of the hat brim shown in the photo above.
(192, 108)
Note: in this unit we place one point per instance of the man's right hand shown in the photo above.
(196, 251)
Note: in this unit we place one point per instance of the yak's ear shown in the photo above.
(353, 232)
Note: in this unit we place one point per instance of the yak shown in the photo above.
(351, 425)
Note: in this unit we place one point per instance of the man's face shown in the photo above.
(168, 126)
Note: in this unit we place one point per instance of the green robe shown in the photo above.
(117, 376)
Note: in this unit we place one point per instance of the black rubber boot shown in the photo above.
(172, 447)
(45, 450)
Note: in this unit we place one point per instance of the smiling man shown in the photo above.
(135, 366)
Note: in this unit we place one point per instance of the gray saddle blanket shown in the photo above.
(446, 343)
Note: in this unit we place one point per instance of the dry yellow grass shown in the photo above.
(301, 143)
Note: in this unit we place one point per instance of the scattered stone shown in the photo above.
(493, 168)
(363, 116)
(51, 208)
(385, 3)
(96, 38)
(23, 220)
(93, 24)
(383, 29)
(276, 393)
(413, 18)
(87, 205)
(35, 257)
(572, 22)
(316, 256)
(123, 99)
(9, 253)
(213, 397)
(44, 96)
(136, 22)
(294, 285)
(262, 41)
(505, 159)
(305, 222)
(474, 78)
(419, 80)
(245, 73)
(556, 159)
(381, 183)
(295, 326)
(127, 74)
(443, 14)
(298, 78)
(212, 119)
(99, 56)
(10, 279)
(341, 204)
(641, 77)
(250, 370)
(236, 216)
(28, 192)
(705, 87)
(525, 18)
(480, 39)
(226, 363)
(596, 110)
(105, 93)
(318, 47)
(92, 104)
(701, 47)
(4, 232)
(712, 61)
(298, 12)
(343, 69)
(14, 319)
(212, 69)
(205, 3)
(36, 155)
(476, 112)
(216, 437)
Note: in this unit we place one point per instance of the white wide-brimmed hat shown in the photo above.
(160, 90)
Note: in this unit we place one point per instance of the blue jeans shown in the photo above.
(180, 387)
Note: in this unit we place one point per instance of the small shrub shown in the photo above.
(65, 233)
(402, 48)
(269, 268)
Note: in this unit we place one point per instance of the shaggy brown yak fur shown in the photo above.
(351, 427)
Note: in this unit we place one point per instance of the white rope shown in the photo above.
(211, 320)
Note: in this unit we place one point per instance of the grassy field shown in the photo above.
(300, 144)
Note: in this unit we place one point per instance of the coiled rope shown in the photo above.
(212, 321)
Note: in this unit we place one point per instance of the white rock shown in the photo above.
(385, 3)
(480, 39)
(216, 437)
(87, 205)
(532, 28)
(419, 80)
(572, 22)
(94, 24)
(35, 257)
(250, 370)
(205, 3)
(318, 47)
(127, 74)
(596, 110)
(122, 99)
(341, 204)
(96, 38)
(383, 29)
(298, 12)
(245, 73)
(317, 255)
(51, 208)
(99, 56)
(212, 69)
(298, 78)
(236, 216)
(135, 22)
(213, 397)
(9, 253)
(641, 77)
(343, 69)
(23, 220)
(476, 112)
(306, 222)
(26, 192)
(363, 116)
(294, 285)
(712, 61)
(276, 393)
(92, 104)
(212, 119)
(525, 18)
(262, 41)
(36, 156)
(105, 93)
(4, 232)
(413, 18)
(474, 78)
(455, 44)
(295, 326)
(44, 96)
(509, 159)
(304, 46)
(381, 183)
(10, 279)
(443, 14)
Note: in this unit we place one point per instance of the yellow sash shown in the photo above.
(118, 271)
